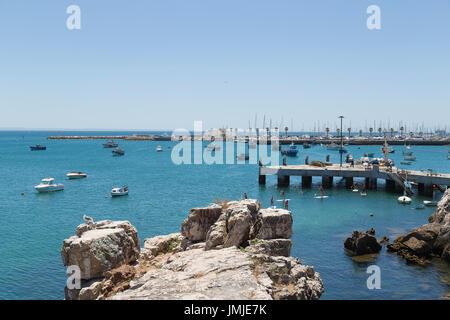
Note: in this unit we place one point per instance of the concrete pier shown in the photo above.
(394, 177)
(426, 189)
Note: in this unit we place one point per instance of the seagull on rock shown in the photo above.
(89, 220)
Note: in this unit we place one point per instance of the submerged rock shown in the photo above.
(362, 243)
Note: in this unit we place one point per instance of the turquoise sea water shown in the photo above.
(34, 225)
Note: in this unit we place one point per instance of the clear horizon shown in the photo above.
(162, 64)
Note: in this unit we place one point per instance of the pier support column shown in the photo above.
(390, 185)
(306, 181)
(327, 182)
(283, 181)
(262, 179)
(371, 183)
(348, 182)
(426, 189)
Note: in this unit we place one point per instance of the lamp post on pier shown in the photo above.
(341, 150)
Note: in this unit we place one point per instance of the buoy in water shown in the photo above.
(106, 197)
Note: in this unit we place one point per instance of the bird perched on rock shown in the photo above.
(89, 220)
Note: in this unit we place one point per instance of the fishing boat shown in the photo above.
(407, 153)
(76, 175)
(159, 149)
(419, 207)
(306, 145)
(291, 151)
(430, 203)
(117, 192)
(409, 158)
(37, 147)
(243, 156)
(333, 146)
(49, 185)
(118, 152)
(110, 144)
(405, 162)
(404, 200)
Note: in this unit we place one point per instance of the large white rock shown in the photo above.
(198, 222)
(225, 274)
(100, 247)
(274, 224)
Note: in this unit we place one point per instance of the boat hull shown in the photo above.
(46, 189)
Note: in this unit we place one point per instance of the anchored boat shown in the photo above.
(404, 200)
(333, 146)
(49, 185)
(291, 151)
(110, 144)
(409, 158)
(159, 149)
(118, 152)
(37, 147)
(430, 203)
(76, 175)
(117, 192)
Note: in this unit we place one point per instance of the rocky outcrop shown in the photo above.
(226, 274)
(198, 222)
(274, 247)
(244, 221)
(432, 239)
(238, 252)
(362, 243)
(100, 247)
(162, 244)
(96, 249)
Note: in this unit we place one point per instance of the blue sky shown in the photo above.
(161, 64)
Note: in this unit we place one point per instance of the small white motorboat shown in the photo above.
(117, 192)
(430, 203)
(76, 175)
(159, 149)
(404, 200)
(49, 185)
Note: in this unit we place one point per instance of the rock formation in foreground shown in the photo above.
(234, 250)
(432, 239)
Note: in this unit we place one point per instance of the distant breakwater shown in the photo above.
(131, 138)
(282, 141)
